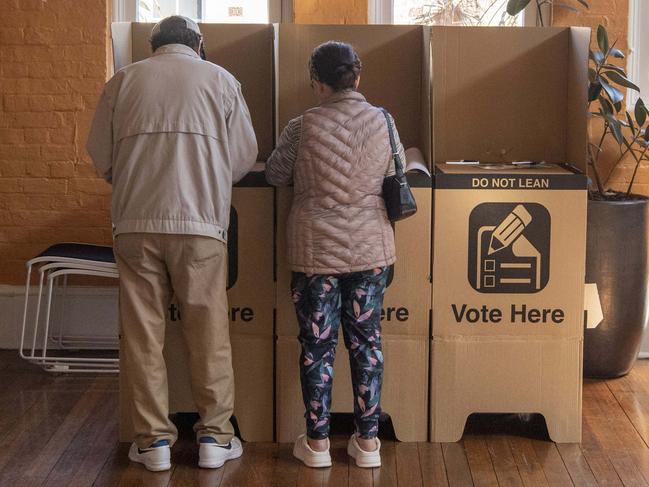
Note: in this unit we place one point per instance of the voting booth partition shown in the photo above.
(507, 255)
(247, 52)
(509, 241)
(396, 76)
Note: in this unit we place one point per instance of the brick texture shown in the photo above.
(53, 64)
(330, 11)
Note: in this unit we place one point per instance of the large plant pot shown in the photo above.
(616, 259)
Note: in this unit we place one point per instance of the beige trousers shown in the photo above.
(152, 267)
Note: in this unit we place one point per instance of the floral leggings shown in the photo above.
(322, 302)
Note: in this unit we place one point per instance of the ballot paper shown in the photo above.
(464, 162)
(415, 161)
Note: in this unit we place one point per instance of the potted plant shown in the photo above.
(618, 221)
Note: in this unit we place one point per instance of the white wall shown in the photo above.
(88, 311)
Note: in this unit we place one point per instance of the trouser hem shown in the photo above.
(221, 438)
(146, 443)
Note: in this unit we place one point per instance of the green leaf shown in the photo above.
(592, 74)
(514, 7)
(615, 68)
(616, 77)
(616, 53)
(594, 90)
(614, 94)
(606, 106)
(616, 129)
(602, 38)
(646, 134)
(640, 112)
(584, 3)
(596, 56)
(631, 124)
(618, 106)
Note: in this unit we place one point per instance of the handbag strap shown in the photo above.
(398, 168)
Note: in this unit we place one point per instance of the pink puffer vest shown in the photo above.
(338, 223)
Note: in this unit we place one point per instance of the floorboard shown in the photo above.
(61, 430)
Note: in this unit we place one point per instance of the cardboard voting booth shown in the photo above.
(508, 297)
(406, 313)
(509, 243)
(247, 52)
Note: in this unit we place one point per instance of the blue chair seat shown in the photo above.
(94, 253)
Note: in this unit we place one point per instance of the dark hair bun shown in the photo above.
(336, 64)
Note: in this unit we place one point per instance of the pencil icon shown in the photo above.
(509, 229)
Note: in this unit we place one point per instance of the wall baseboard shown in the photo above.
(88, 310)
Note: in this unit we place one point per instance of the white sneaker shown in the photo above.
(364, 459)
(311, 458)
(213, 455)
(156, 458)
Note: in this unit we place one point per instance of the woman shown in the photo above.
(340, 246)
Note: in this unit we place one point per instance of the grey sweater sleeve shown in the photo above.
(279, 166)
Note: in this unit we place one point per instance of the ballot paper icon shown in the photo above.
(509, 248)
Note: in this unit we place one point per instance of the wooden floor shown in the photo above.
(59, 430)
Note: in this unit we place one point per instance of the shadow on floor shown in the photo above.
(523, 425)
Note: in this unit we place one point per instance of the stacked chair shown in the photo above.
(48, 341)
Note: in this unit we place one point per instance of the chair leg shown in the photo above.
(60, 315)
(47, 315)
(38, 314)
(22, 332)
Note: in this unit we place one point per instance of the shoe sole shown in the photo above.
(232, 455)
(362, 464)
(155, 467)
(320, 464)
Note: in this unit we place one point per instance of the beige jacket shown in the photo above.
(338, 223)
(172, 134)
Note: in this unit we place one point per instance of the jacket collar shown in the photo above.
(344, 95)
(176, 49)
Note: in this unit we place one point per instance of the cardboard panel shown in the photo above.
(252, 361)
(426, 97)
(251, 295)
(502, 94)
(120, 33)
(576, 109)
(495, 275)
(404, 394)
(246, 51)
(392, 56)
(482, 375)
(406, 306)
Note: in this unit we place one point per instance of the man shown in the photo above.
(172, 134)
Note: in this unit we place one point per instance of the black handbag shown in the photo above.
(399, 201)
